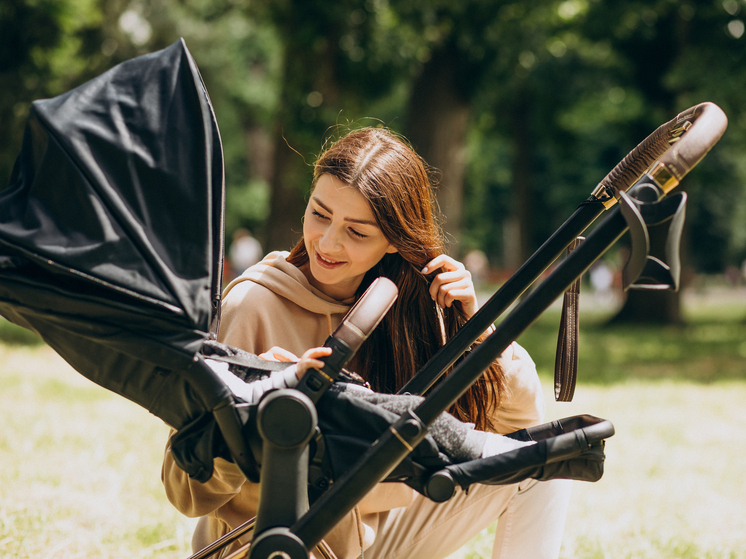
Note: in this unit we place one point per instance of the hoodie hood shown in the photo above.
(284, 279)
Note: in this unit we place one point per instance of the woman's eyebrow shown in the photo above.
(350, 219)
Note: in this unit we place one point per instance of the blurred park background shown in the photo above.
(522, 107)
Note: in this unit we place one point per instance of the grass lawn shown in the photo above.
(674, 484)
(80, 466)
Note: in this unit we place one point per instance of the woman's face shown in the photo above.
(342, 238)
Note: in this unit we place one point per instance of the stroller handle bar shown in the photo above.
(356, 326)
(667, 155)
(568, 444)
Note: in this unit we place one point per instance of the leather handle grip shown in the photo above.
(708, 125)
(676, 146)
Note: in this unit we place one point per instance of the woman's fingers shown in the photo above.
(316, 352)
(278, 354)
(310, 360)
(442, 261)
(452, 285)
(452, 272)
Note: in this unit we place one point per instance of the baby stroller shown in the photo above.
(111, 245)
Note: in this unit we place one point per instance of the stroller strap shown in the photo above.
(566, 359)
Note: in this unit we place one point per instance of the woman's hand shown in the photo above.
(278, 354)
(452, 285)
(309, 360)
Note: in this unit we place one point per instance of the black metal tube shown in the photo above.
(526, 275)
(382, 457)
(391, 447)
(522, 316)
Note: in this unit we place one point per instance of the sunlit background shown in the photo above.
(522, 108)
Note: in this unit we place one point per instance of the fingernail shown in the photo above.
(424, 270)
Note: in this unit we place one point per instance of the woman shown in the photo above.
(371, 213)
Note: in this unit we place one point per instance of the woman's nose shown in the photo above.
(329, 241)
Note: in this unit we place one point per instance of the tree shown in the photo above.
(522, 107)
(438, 118)
(658, 44)
(50, 46)
(34, 39)
(336, 63)
(477, 53)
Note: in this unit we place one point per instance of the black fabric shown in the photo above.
(350, 424)
(195, 446)
(450, 434)
(529, 462)
(111, 230)
(119, 182)
(571, 448)
(568, 448)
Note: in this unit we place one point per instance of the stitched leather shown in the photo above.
(566, 359)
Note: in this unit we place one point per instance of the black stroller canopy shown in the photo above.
(111, 229)
(120, 182)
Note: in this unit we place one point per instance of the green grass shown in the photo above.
(673, 485)
(80, 467)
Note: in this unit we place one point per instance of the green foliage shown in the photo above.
(240, 58)
(578, 82)
(598, 77)
(249, 204)
(50, 46)
(16, 335)
(675, 55)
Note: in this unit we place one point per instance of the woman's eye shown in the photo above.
(319, 215)
(358, 234)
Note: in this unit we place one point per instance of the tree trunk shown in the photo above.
(299, 130)
(652, 56)
(287, 203)
(522, 184)
(438, 119)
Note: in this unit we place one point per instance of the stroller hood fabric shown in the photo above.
(121, 179)
(111, 228)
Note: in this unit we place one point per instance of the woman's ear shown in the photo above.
(392, 249)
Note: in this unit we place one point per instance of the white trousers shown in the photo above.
(531, 520)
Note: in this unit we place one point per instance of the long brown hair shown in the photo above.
(396, 183)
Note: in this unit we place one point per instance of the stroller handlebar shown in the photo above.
(668, 154)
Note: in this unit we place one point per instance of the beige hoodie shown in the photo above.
(272, 304)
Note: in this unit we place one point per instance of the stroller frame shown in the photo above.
(288, 526)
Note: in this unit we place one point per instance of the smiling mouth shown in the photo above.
(326, 262)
